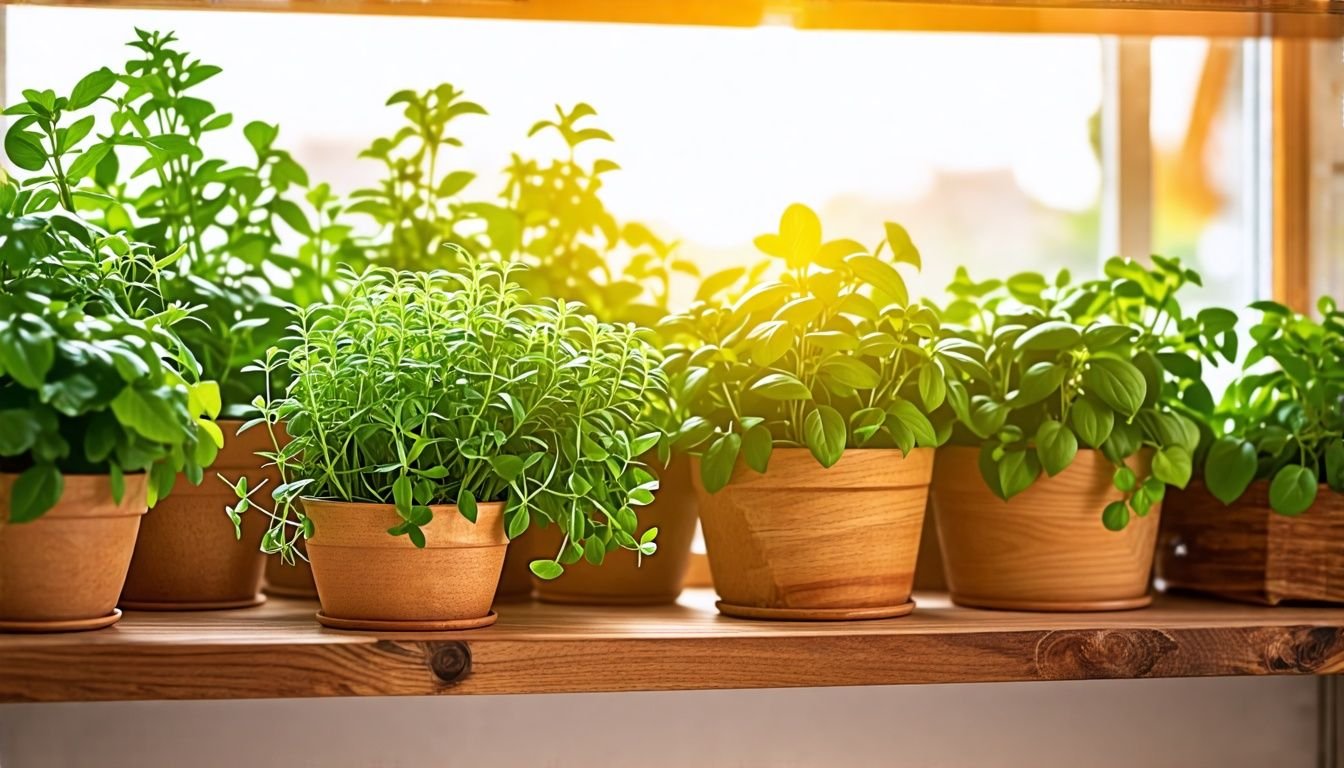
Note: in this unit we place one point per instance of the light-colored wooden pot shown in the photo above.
(64, 570)
(1247, 551)
(188, 557)
(369, 579)
(804, 542)
(624, 578)
(290, 580)
(1045, 549)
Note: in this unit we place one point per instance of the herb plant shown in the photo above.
(1285, 424)
(830, 354)
(91, 372)
(1112, 364)
(432, 388)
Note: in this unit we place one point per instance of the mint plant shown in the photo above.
(421, 389)
(828, 354)
(1283, 419)
(1048, 367)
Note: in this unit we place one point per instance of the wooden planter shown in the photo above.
(188, 557)
(64, 571)
(622, 579)
(804, 542)
(1046, 549)
(1249, 552)
(368, 579)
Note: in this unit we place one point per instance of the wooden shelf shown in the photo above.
(278, 650)
(1213, 18)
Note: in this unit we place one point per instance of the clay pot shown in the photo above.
(369, 579)
(188, 556)
(64, 570)
(623, 579)
(290, 580)
(1046, 549)
(804, 542)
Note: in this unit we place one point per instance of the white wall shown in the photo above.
(1225, 722)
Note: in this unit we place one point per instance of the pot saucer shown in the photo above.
(68, 625)
(1053, 606)
(375, 625)
(137, 605)
(814, 614)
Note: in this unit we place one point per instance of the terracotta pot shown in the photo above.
(804, 542)
(368, 579)
(515, 582)
(188, 557)
(623, 579)
(1046, 549)
(64, 570)
(1247, 551)
(290, 580)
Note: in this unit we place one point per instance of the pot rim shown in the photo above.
(388, 506)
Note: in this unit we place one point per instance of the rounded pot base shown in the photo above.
(575, 598)
(376, 625)
(1053, 606)
(224, 605)
(68, 625)
(814, 614)
(297, 593)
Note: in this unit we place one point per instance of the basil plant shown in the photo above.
(1283, 420)
(436, 388)
(1050, 367)
(93, 377)
(828, 354)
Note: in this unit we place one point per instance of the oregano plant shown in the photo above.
(827, 354)
(433, 388)
(1283, 419)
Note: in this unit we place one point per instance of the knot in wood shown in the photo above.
(1101, 653)
(451, 661)
(1305, 649)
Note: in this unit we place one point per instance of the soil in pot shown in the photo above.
(64, 571)
(1045, 549)
(367, 579)
(804, 542)
(188, 556)
(1246, 551)
(623, 579)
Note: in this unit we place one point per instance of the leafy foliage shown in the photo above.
(1284, 424)
(91, 372)
(432, 388)
(1048, 368)
(831, 354)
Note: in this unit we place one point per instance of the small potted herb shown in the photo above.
(1070, 426)
(96, 415)
(807, 402)
(434, 416)
(1261, 523)
(215, 229)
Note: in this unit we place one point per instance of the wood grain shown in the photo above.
(277, 650)
(1249, 552)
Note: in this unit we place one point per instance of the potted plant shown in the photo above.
(808, 399)
(434, 416)
(96, 415)
(216, 230)
(1069, 429)
(1260, 525)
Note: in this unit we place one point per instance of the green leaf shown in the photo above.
(24, 148)
(903, 249)
(1116, 516)
(546, 570)
(1056, 446)
(716, 466)
(1293, 490)
(508, 467)
(1172, 465)
(1229, 468)
(25, 356)
(19, 429)
(1103, 336)
(932, 387)
(770, 341)
(401, 495)
(1017, 470)
(87, 161)
(757, 445)
(1124, 479)
(148, 414)
(90, 87)
(987, 417)
(781, 386)
(825, 434)
(1334, 465)
(1116, 383)
(1146, 495)
(799, 235)
(1050, 335)
(850, 372)
(466, 504)
(34, 492)
(914, 420)
(880, 275)
(1039, 382)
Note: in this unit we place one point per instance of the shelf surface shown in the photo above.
(278, 650)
